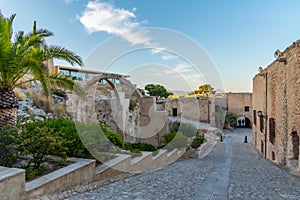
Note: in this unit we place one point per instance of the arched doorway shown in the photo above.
(243, 122)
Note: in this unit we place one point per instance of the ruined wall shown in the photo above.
(236, 103)
(190, 108)
(153, 122)
(283, 105)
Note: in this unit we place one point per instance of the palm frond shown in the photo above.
(64, 82)
(63, 54)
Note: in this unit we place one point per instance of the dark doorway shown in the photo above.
(243, 123)
(295, 143)
(247, 123)
(174, 112)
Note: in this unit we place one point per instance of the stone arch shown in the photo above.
(243, 122)
(122, 92)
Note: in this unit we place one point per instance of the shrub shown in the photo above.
(169, 137)
(20, 94)
(174, 127)
(9, 138)
(197, 141)
(68, 132)
(114, 137)
(188, 130)
(38, 143)
(93, 138)
(230, 120)
(178, 141)
(132, 104)
(139, 146)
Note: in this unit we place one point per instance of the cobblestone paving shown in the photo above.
(233, 170)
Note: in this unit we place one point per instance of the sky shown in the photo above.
(176, 43)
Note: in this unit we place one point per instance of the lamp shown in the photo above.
(260, 114)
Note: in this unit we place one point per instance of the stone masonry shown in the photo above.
(276, 92)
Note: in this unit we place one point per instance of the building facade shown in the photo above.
(240, 105)
(276, 108)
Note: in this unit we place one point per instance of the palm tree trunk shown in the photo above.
(8, 107)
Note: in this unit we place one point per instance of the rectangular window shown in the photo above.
(261, 124)
(272, 130)
(246, 108)
(254, 117)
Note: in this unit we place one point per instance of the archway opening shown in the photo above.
(243, 122)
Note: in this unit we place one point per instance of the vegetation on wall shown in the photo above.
(157, 91)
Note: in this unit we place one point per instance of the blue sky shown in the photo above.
(238, 36)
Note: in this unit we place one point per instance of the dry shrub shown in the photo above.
(41, 101)
(19, 94)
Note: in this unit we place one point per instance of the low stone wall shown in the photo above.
(82, 172)
(12, 183)
(79, 173)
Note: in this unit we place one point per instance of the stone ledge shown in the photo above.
(79, 173)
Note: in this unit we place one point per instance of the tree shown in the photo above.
(205, 89)
(25, 54)
(157, 90)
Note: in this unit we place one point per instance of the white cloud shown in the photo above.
(102, 16)
(167, 56)
(179, 69)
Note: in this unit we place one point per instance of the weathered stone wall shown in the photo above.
(134, 117)
(153, 122)
(283, 105)
(190, 108)
(236, 103)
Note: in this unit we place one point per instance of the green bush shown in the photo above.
(169, 136)
(38, 143)
(174, 127)
(114, 137)
(31, 173)
(197, 141)
(93, 138)
(67, 130)
(188, 130)
(9, 138)
(178, 141)
(139, 146)
(230, 120)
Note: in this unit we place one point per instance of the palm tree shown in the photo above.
(24, 54)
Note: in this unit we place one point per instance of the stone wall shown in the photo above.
(189, 108)
(280, 107)
(237, 103)
(122, 110)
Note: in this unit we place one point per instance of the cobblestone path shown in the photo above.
(232, 170)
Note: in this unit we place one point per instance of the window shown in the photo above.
(273, 155)
(261, 124)
(246, 108)
(272, 130)
(254, 117)
(174, 112)
(295, 144)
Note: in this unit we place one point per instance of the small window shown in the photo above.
(261, 124)
(254, 117)
(272, 130)
(273, 155)
(246, 108)
(174, 112)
